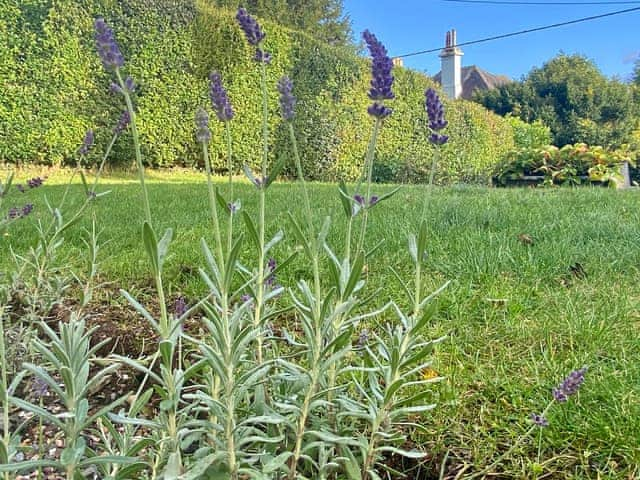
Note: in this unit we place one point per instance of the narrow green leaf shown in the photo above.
(251, 228)
(345, 199)
(275, 170)
(151, 246)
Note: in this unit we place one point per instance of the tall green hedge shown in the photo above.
(54, 88)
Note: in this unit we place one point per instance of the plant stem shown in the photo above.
(213, 210)
(136, 144)
(371, 151)
(227, 128)
(5, 388)
(261, 222)
(102, 162)
(434, 165)
(515, 445)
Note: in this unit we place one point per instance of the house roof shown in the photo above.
(474, 78)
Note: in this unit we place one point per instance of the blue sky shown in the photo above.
(405, 26)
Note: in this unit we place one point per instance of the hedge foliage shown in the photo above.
(54, 88)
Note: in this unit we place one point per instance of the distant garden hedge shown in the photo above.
(54, 88)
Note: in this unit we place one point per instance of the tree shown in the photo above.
(325, 19)
(572, 97)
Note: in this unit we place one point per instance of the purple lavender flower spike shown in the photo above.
(123, 123)
(87, 143)
(179, 307)
(569, 385)
(287, 100)
(219, 98)
(539, 420)
(246, 298)
(107, 47)
(381, 78)
(203, 134)
(359, 199)
(373, 200)
(435, 112)
(250, 27)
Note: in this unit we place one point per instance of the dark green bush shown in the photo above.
(54, 88)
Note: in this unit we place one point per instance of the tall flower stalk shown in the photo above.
(379, 93)
(224, 111)
(255, 36)
(168, 328)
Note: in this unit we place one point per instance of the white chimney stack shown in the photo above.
(451, 61)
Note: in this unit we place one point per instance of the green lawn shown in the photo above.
(517, 319)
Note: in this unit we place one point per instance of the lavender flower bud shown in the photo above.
(270, 281)
(39, 388)
(179, 307)
(250, 27)
(123, 123)
(34, 182)
(13, 213)
(373, 200)
(87, 143)
(27, 209)
(219, 98)
(570, 385)
(107, 47)
(203, 134)
(363, 338)
(438, 139)
(262, 56)
(130, 85)
(287, 100)
(539, 420)
(378, 110)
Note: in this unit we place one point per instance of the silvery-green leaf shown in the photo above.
(173, 469)
(163, 246)
(276, 463)
(275, 240)
(151, 246)
(405, 453)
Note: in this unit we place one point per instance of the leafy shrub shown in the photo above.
(56, 93)
(571, 164)
(529, 135)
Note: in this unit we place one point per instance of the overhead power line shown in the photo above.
(522, 32)
(507, 2)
